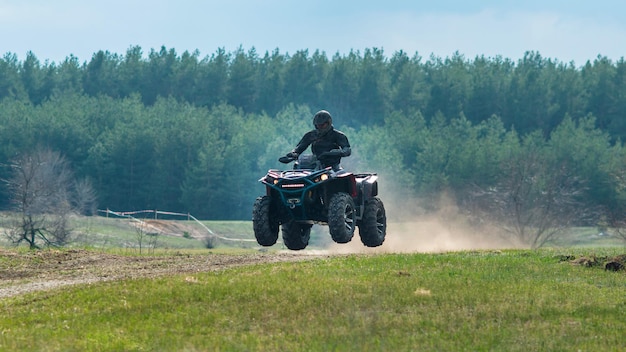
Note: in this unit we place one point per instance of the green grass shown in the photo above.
(476, 301)
(114, 233)
(101, 232)
(587, 237)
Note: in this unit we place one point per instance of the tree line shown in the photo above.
(515, 140)
(361, 87)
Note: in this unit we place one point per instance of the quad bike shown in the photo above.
(310, 194)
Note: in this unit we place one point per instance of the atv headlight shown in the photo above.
(320, 178)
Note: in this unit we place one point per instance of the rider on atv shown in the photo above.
(327, 144)
(318, 191)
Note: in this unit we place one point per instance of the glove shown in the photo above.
(291, 156)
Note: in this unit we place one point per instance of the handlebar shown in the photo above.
(286, 159)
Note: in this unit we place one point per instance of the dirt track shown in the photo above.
(49, 269)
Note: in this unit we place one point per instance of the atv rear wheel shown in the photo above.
(341, 217)
(373, 225)
(264, 223)
(296, 235)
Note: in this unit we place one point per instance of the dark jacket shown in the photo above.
(333, 140)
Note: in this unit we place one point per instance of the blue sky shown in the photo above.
(574, 30)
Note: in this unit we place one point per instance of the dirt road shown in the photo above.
(49, 269)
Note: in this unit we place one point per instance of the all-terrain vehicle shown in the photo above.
(310, 194)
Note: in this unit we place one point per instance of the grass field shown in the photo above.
(463, 300)
(474, 300)
(102, 232)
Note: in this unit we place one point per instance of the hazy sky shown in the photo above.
(574, 30)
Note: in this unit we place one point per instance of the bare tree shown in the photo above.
(85, 199)
(618, 227)
(615, 214)
(535, 200)
(40, 188)
(142, 234)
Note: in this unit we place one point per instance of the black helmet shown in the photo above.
(323, 121)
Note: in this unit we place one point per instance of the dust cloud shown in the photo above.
(411, 229)
(425, 235)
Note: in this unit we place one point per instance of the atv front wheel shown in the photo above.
(341, 217)
(264, 222)
(296, 235)
(373, 225)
